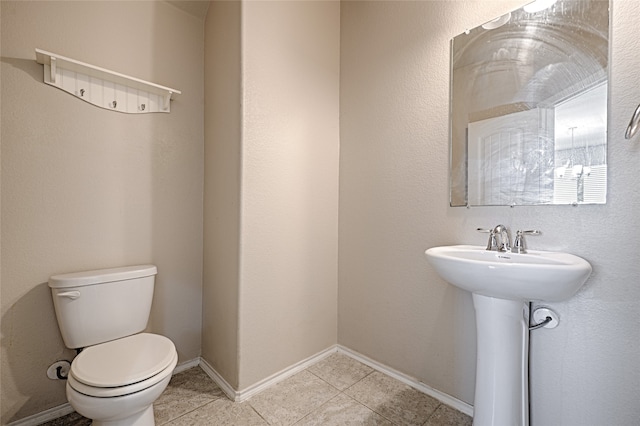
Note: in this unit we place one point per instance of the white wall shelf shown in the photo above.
(104, 88)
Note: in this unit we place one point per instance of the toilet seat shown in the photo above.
(123, 366)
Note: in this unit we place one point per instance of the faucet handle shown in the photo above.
(492, 238)
(518, 243)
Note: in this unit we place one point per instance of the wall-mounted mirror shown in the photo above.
(529, 107)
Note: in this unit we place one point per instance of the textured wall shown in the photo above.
(394, 204)
(271, 185)
(86, 188)
(585, 372)
(289, 204)
(223, 122)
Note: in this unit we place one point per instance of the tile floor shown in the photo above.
(335, 391)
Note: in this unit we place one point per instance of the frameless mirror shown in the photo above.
(529, 107)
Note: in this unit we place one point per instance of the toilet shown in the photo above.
(120, 371)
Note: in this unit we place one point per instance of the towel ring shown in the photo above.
(634, 124)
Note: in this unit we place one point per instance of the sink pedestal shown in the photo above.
(502, 388)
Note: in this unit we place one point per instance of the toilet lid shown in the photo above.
(123, 361)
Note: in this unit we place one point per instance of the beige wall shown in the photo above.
(276, 265)
(86, 188)
(394, 205)
(289, 212)
(223, 122)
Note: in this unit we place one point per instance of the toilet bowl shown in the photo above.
(116, 383)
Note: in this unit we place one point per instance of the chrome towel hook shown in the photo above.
(634, 124)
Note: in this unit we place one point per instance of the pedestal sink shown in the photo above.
(503, 284)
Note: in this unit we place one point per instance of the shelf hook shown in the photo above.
(167, 99)
(53, 69)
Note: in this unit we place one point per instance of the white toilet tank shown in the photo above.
(97, 306)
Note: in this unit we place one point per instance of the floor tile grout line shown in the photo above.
(393, 422)
(373, 410)
(343, 392)
(340, 391)
(254, 410)
(316, 409)
(351, 398)
(307, 370)
(189, 412)
(307, 413)
(432, 414)
(369, 408)
(358, 381)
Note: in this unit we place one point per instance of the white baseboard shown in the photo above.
(186, 365)
(66, 408)
(218, 379)
(44, 416)
(243, 395)
(411, 381)
(247, 393)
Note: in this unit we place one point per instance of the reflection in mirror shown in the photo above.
(529, 107)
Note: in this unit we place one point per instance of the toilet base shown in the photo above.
(143, 418)
(128, 410)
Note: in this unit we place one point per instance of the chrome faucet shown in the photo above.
(499, 231)
(505, 241)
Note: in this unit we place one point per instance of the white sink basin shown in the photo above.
(535, 275)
